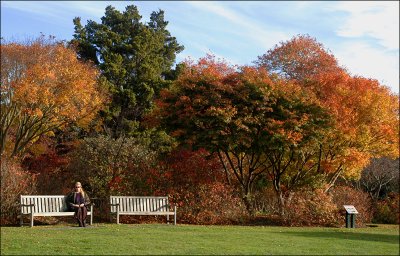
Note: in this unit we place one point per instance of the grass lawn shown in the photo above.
(124, 239)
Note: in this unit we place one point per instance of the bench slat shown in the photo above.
(49, 204)
(37, 205)
(137, 204)
(45, 203)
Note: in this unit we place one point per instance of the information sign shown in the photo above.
(350, 209)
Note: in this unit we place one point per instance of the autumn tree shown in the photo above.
(252, 122)
(365, 113)
(134, 58)
(366, 117)
(44, 87)
(300, 58)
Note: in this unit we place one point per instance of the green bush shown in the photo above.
(113, 166)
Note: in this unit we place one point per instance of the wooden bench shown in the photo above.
(141, 205)
(35, 205)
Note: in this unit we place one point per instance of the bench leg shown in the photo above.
(31, 219)
(21, 220)
(117, 215)
(91, 214)
(174, 215)
(167, 219)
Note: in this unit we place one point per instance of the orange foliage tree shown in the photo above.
(300, 58)
(365, 113)
(43, 87)
(366, 116)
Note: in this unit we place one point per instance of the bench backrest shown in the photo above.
(44, 203)
(139, 203)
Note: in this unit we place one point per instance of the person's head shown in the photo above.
(78, 187)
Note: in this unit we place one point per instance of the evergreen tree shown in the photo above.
(134, 59)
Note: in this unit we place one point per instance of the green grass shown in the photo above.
(124, 239)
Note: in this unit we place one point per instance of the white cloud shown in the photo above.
(377, 19)
(364, 60)
(363, 21)
(60, 13)
(61, 10)
(37, 8)
(89, 8)
(266, 37)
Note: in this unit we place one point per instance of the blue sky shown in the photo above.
(363, 35)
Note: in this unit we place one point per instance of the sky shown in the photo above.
(362, 35)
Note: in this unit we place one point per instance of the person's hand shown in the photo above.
(81, 205)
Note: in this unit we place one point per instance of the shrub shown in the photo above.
(210, 204)
(194, 179)
(48, 163)
(387, 210)
(113, 166)
(265, 201)
(14, 182)
(311, 208)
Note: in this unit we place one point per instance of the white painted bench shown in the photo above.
(141, 205)
(34, 205)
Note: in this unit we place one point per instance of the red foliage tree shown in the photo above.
(253, 122)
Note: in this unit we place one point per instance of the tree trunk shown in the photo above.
(248, 202)
(227, 175)
(281, 201)
(334, 178)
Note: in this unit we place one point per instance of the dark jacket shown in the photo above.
(72, 199)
